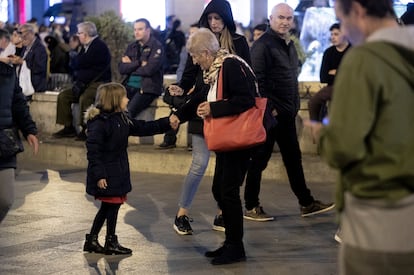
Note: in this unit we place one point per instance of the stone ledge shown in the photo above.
(148, 158)
(43, 110)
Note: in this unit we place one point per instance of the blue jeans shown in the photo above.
(201, 156)
(139, 102)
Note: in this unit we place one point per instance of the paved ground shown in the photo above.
(44, 232)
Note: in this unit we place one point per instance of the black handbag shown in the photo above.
(10, 143)
(174, 101)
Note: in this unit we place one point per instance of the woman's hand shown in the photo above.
(102, 183)
(175, 90)
(203, 110)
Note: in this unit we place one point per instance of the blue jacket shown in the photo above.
(14, 110)
(107, 142)
(152, 53)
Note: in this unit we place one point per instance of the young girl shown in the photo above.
(108, 175)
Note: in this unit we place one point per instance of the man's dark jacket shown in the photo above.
(94, 62)
(36, 60)
(152, 53)
(275, 64)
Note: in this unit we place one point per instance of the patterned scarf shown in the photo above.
(210, 75)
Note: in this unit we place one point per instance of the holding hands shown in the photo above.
(174, 121)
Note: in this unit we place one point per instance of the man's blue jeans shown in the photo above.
(201, 156)
(139, 102)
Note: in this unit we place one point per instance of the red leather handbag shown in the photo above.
(235, 132)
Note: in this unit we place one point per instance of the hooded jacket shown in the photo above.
(370, 135)
(223, 8)
(106, 144)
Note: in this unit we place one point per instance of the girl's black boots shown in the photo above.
(92, 244)
(113, 247)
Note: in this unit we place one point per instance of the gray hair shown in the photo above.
(201, 40)
(88, 27)
(27, 27)
(4, 34)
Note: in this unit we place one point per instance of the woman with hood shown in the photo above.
(218, 17)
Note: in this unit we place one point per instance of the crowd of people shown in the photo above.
(365, 133)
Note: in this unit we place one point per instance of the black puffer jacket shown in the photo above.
(14, 110)
(275, 64)
(107, 142)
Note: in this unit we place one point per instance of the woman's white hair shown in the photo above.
(203, 40)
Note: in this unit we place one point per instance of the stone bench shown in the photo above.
(43, 110)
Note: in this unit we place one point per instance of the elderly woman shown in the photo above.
(238, 96)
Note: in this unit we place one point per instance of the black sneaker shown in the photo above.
(218, 223)
(182, 225)
(67, 132)
(81, 136)
(316, 207)
(257, 214)
(166, 145)
(230, 254)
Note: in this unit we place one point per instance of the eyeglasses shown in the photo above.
(79, 33)
(21, 32)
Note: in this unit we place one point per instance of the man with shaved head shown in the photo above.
(275, 62)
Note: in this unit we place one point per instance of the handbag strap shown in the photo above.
(220, 79)
(220, 85)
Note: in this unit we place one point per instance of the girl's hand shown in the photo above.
(102, 184)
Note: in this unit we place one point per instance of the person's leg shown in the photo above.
(112, 218)
(63, 107)
(6, 191)
(112, 245)
(140, 102)
(199, 163)
(99, 220)
(87, 99)
(91, 243)
(317, 103)
(258, 163)
(231, 170)
(170, 138)
(232, 176)
(287, 140)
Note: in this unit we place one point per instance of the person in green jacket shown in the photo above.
(369, 138)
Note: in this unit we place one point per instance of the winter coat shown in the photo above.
(275, 64)
(107, 142)
(14, 110)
